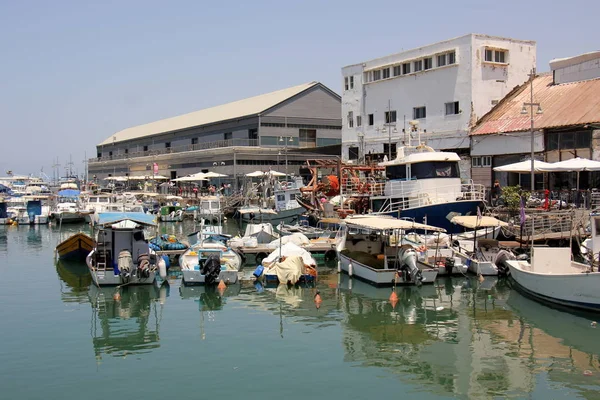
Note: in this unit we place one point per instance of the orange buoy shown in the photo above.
(117, 296)
(222, 286)
(393, 299)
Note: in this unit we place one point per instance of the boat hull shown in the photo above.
(76, 247)
(379, 277)
(68, 217)
(110, 277)
(440, 214)
(577, 290)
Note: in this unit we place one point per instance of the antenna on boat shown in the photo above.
(414, 127)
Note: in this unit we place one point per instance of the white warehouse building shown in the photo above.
(446, 87)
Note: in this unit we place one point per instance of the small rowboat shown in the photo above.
(76, 247)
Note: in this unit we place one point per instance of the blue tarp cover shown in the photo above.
(116, 217)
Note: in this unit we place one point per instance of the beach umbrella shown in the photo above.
(574, 165)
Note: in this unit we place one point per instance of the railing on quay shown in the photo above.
(179, 149)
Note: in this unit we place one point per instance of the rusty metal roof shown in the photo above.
(574, 103)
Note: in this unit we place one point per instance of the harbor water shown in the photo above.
(61, 337)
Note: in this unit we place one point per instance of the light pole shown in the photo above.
(539, 111)
(361, 147)
(285, 142)
(387, 127)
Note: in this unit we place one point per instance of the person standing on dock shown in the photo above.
(495, 193)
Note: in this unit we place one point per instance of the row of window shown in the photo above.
(483, 161)
(410, 67)
(451, 108)
(303, 126)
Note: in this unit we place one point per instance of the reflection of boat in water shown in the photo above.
(209, 297)
(129, 325)
(77, 278)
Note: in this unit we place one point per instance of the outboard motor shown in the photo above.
(449, 265)
(143, 269)
(125, 264)
(407, 256)
(211, 269)
(500, 261)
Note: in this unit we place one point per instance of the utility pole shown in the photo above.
(539, 111)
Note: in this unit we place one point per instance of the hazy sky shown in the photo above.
(75, 72)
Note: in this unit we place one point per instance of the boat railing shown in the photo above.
(412, 193)
(363, 186)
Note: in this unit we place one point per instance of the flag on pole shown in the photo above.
(522, 213)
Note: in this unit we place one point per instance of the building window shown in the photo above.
(387, 147)
(427, 63)
(359, 120)
(252, 134)
(346, 83)
(307, 138)
(145, 149)
(126, 151)
(452, 108)
(497, 56)
(494, 102)
(371, 119)
(194, 141)
(418, 65)
(167, 145)
(353, 153)
(390, 116)
(367, 76)
(99, 155)
(483, 161)
(441, 60)
(350, 119)
(568, 140)
(397, 70)
(352, 82)
(419, 112)
(451, 57)
(386, 73)
(110, 154)
(405, 68)
(377, 75)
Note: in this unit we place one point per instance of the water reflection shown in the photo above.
(209, 300)
(34, 236)
(75, 280)
(129, 325)
(3, 239)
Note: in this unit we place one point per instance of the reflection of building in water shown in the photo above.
(434, 336)
(129, 325)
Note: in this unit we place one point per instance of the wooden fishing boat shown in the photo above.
(76, 247)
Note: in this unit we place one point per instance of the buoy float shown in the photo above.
(481, 278)
(350, 271)
(221, 286)
(162, 268)
(393, 299)
(117, 296)
(587, 372)
(339, 267)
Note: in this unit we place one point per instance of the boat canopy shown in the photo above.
(473, 221)
(116, 217)
(256, 210)
(384, 223)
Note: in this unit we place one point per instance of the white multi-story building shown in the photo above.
(446, 87)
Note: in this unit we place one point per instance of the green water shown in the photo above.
(461, 338)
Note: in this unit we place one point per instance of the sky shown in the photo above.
(75, 72)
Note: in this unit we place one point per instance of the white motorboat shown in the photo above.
(552, 276)
(482, 256)
(68, 209)
(209, 261)
(122, 255)
(29, 210)
(371, 249)
(254, 235)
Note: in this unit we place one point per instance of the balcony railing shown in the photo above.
(179, 149)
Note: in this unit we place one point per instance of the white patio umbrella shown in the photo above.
(574, 165)
(275, 173)
(191, 178)
(255, 174)
(212, 174)
(524, 167)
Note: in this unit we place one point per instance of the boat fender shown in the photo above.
(162, 268)
(167, 261)
(258, 271)
(339, 269)
(350, 270)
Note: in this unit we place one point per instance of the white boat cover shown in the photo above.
(297, 238)
(289, 250)
(290, 270)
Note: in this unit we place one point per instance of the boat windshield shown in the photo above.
(425, 170)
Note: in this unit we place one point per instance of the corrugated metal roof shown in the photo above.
(574, 103)
(236, 109)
